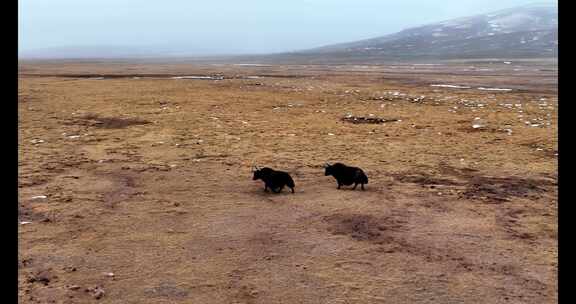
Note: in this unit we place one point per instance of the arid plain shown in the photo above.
(135, 183)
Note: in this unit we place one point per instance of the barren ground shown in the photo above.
(148, 178)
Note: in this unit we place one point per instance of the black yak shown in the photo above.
(275, 180)
(346, 175)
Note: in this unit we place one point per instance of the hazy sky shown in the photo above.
(231, 26)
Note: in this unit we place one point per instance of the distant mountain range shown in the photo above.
(529, 31)
(523, 32)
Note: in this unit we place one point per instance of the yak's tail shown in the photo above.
(361, 177)
(290, 182)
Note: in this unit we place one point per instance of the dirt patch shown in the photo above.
(367, 120)
(424, 179)
(501, 189)
(484, 130)
(124, 189)
(362, 227)
(464, 172)
(497, 189)
(93, 120)
(167, 290)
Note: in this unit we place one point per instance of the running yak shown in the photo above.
(345, 175)
(275, 180)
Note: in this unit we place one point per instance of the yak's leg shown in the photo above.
(292, 189)
(265, 188)
(279, 189)
(362, 186)
(355, 185)
(339, 185)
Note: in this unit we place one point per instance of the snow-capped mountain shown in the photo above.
(527, 31)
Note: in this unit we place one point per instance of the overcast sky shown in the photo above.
(231, 26)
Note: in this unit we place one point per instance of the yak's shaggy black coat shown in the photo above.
(346, 175)
(275, 180)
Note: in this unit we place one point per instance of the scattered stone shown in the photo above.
(97, 292)
(478, 123)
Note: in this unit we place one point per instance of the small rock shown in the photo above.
(38, 197)
(69, 269)
(97, 292)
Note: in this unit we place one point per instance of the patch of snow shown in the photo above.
(250, 64)
(494, 89)
(449, 86)
(199, 77)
